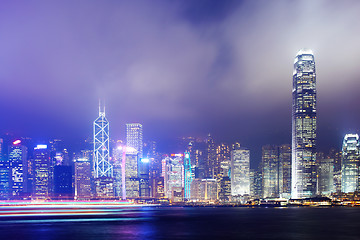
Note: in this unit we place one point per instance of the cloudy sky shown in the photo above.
(181, 68)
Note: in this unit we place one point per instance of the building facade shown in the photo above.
(272, 172)
(18, 169)
(82, 179)
(102, 166)
(304, 125)
(350, 163)
(42, 165)
(173, 174)
(240, 172)
(134, 137)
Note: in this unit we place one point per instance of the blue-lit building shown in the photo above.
(304, 126)
(17, 154)
(188, 176)
(102, 165)
(4, 174)
(63, 182)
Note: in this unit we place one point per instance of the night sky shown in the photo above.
(181, 68)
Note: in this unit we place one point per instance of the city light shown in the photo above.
(16, 142)
(41, 146)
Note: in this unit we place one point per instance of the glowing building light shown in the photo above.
(102, 166)
(41, 146)
(17, 142)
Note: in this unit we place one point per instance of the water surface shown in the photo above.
(192, 223)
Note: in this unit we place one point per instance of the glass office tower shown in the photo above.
(350, 163)
(304, 125)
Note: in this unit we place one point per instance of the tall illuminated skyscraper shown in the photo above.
(173, 170)
(102, 166)
(240, 172)
(187, 175)
(271, 172)
(350, 163)
(18, 169)
(42, 172)
(82, 179)
(304, 125)
(134, 137)
(132, 186)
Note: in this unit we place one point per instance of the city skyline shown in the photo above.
(225, 94)
(225, 119)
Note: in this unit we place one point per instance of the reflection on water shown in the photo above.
(193, 223)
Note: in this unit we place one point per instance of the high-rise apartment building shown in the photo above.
(304, 125)
(240, 171)
(134, 137)
(350, 163)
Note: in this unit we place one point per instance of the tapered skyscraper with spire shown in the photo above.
(102, 166)
(304, 125)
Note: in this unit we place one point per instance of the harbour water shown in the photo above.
(190, 223)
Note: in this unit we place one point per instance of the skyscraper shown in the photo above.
(272, 172)
(240, 172)
(18, 169)
(4, 174)
(102, 166)
(143, 174)
(173, 170)
(285, 161)
(63, 182)
(350, 163)
(187, 175)
(42, 172)
(134, 137)
(325, 172)
(132, 186)
(211, 165)
(304, 125)
(82, 179)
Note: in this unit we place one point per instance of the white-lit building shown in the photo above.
(42, 172)
(132, 186)
(350, 163)
(173, 172)
(240, 172)
(304, 126)
(82, 179)
(134, 137)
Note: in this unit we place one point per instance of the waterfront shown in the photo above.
(191, 223)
